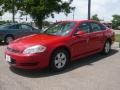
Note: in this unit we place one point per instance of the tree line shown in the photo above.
(115, 21)
(39, 10)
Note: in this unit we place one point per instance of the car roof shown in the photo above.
(11, 24)
(79, 21)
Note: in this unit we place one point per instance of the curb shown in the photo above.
(116, 45)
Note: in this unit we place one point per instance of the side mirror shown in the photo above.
(79, 33)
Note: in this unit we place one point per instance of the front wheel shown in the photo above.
(107, 47)
(59, 60)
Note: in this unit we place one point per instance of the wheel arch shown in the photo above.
(61, 47)
(9, 35)
(51, 64)
(110, 40)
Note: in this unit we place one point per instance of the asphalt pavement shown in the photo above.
(96, 72)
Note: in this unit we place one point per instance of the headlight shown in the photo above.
(34, 49)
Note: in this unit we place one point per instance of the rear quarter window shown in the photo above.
(103, 27)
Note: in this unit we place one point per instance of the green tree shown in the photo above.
(38, 9)
(95, 17)
(116, 21)
(46, 23)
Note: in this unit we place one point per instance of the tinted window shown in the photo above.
(26, 27)
(85, 27)
(95, 27)
(14, 27)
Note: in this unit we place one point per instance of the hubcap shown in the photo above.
(107, 47)
(60, 60)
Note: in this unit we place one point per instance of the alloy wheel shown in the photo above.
(60, 60)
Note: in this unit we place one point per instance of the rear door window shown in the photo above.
(95, 27)
(26, 27)
(14, 27)
(84, 27)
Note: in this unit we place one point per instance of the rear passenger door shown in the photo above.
(96, 36)
(14, 30)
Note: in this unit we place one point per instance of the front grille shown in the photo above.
(13, 50)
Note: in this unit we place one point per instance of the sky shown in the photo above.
(104, 8)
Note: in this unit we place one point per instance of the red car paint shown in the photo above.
(78, 46)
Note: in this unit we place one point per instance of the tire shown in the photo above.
(0, 42)
(59, 60)
(107, 48)
(8, 39)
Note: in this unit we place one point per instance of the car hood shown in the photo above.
(31, 40)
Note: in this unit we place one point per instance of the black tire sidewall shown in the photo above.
(52, 64)
(104, 51)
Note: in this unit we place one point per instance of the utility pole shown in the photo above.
(73, 13)
(26, 18)
(89, 9)
(13, 10)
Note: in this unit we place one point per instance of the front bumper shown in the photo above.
(34, 61)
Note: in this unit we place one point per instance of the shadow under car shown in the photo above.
(74, 65)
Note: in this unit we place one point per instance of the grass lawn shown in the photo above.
(117, 37)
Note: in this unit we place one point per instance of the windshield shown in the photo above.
(62, 29)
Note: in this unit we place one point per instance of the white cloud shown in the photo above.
(104, 8)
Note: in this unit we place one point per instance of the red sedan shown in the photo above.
(61, 43)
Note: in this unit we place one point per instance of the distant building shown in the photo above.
(107, 23)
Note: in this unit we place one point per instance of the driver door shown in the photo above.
(80, 43)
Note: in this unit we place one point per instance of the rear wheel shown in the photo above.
(107, 47)
(59, 60)
(9, 39)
